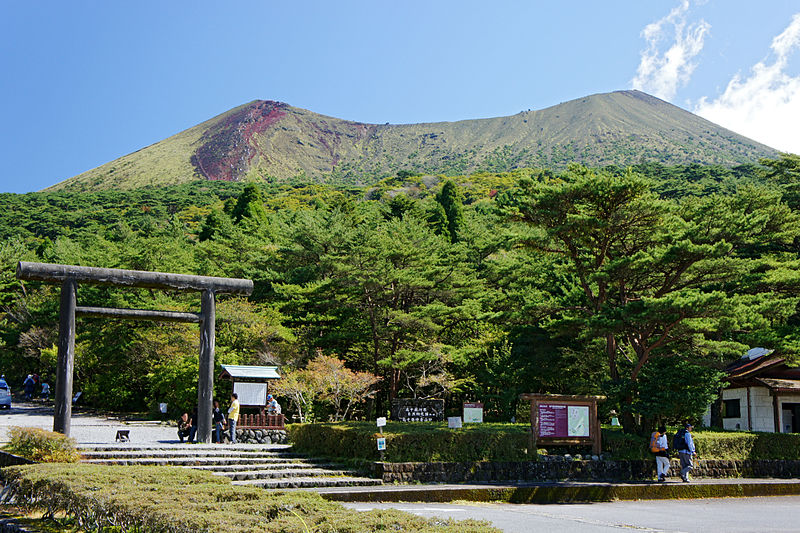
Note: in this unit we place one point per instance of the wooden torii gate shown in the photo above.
(69, 276)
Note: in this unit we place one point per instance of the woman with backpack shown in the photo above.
(658, 446)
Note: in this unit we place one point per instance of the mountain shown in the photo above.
(273, 141)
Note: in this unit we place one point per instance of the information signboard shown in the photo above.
(564, 420)
(561, 420)
(473, 413)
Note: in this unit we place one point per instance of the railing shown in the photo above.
(261, 421)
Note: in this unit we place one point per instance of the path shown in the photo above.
(86, 428)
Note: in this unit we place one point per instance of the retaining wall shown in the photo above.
(591, 470)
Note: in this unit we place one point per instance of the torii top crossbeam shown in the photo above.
(131, 278)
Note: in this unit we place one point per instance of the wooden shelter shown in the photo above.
(251, 384)
(70, 276)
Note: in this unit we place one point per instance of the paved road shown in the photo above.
(730, 515)
(85, 428)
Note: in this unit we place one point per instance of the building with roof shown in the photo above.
(762, 394)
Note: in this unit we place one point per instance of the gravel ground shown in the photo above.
(86, 428)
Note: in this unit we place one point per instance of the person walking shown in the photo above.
(28, 385)
(659, 446)
(233, 416)
(684, 443)
(45, 391)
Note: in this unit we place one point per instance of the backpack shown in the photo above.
(653, 439)
(679, 440)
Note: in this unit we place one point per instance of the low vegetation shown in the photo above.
(174, 500)
(41, 445)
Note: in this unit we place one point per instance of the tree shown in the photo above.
(652, 277)
(250, 205)
(451, 199)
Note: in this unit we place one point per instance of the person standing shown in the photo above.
(686, 451)
(45, 391)
(193, 426)
(219, 421)
(233, 416)
(659, 446)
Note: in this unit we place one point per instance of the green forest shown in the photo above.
(637, 283)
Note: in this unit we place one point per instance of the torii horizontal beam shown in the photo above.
(138, 314)
(131, 278)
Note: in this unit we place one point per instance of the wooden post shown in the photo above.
(66, 357)
(205, 383)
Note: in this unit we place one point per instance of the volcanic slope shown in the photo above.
(267, 140)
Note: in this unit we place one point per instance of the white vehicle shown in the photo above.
(5, 395)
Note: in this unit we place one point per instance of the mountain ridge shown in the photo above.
(266, 140)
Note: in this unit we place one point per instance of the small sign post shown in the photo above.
(454, 422)
(381, 422)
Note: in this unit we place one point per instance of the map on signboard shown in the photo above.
(578, 420)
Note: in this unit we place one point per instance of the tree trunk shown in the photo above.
(716, 412)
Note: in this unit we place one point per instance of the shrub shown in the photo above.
(42, 446)
(414, 441)
(175, 500)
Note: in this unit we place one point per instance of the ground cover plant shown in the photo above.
(174, 500)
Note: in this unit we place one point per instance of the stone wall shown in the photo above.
(573, 470)
(259, 436)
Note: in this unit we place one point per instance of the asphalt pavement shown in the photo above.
(712, 515)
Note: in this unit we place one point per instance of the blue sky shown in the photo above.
(82, 83)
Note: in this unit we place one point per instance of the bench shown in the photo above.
(123, 435)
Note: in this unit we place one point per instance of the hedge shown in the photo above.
(435, 442)
(413, 441)
(175, 500)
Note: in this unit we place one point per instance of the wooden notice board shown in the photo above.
(564, 420)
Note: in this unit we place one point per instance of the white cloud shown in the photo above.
(662, 73)
(765, 106)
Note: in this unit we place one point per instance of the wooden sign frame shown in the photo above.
(594, 438)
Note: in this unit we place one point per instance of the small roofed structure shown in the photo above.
(762, 394)
(251, 384)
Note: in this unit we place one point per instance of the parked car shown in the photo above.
(5, 395)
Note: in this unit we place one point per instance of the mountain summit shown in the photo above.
(267, 140)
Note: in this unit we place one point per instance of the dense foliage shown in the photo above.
(175, 500)
(636, 283)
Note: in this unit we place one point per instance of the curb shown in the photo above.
(566, 493)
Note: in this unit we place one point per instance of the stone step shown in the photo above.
(180, 461)
(309, 482)
(269, 466)
(126, 446)
(283, 474)
(141, 454)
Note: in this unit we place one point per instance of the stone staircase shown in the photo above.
(269, 466)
